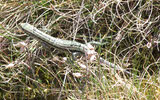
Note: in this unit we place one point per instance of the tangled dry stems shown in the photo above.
(130, 28)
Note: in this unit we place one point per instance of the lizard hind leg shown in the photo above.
(76, 55)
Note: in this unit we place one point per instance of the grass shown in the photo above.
(131, 33)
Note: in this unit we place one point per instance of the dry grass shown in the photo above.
(130, 30)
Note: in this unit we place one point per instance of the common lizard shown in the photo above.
(65, 44)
